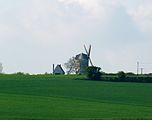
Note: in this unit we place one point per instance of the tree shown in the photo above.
(93, 73)
(20, 73)
(1, 68)
(121, 76)
(72, 66)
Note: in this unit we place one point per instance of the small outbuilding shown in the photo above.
(58, 70)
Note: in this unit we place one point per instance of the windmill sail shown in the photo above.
(88, 53)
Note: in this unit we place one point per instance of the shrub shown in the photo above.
(93, 73)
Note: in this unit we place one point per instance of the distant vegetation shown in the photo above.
(95, 74)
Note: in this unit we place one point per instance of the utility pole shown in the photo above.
(137, 68)
(1, 68)
(53, 68)
(142, 69)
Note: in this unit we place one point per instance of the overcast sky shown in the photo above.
(34, 34)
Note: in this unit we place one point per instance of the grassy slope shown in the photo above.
(45, 97)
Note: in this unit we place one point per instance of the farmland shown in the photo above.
(44, 97)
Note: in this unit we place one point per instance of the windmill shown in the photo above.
(84, 60)
(80, 62)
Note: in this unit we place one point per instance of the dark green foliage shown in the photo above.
(109, 78)
(138, 79)
(93, 73)
(121, 76)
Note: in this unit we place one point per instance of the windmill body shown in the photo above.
(83, 62)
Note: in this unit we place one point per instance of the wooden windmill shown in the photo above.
(84, 60)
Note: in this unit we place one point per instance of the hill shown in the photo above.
(41, 97)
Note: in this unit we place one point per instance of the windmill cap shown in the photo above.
(81, 56)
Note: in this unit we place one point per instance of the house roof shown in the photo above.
(59, 70)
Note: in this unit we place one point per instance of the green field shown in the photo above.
(46, 97)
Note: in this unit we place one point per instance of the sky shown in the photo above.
(34, 34)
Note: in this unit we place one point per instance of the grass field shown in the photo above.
(69, 97)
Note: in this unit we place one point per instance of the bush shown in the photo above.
(93, 73)
(21, 73)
